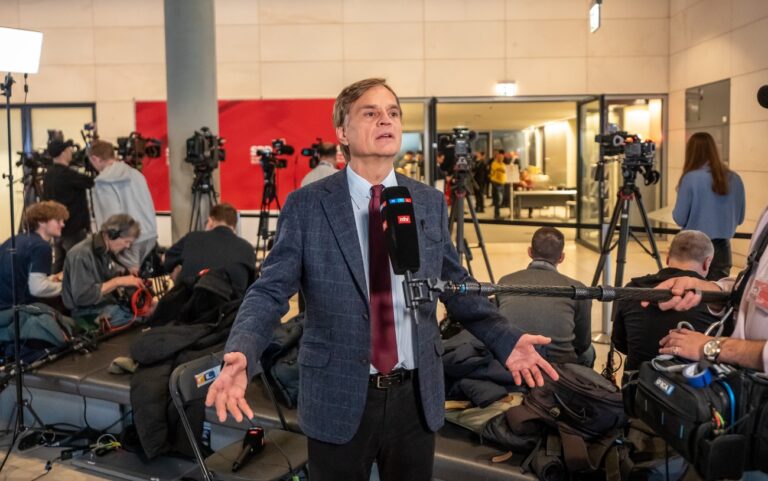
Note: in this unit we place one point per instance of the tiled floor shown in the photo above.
(507, 249)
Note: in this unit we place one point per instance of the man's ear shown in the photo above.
(666, 261)
(530, 252)
(341, 134)
(707, 264)
(562, 258)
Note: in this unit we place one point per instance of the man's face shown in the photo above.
(120, 244)
(373, 127)
(53, 227)
(97, 162)
(66, 155)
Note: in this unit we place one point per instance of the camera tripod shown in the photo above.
(33, 192)
(626, 194)
(458, 197)
(204, 197)
(268, 197)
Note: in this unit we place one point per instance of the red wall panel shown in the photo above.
(244, 123)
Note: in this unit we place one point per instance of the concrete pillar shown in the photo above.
(190, 63)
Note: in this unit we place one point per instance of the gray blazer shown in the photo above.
(317, 250)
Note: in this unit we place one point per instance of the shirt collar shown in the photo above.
(541, 264)
(360, 189)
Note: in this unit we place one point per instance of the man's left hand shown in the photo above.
(526, 364)
(684, 343)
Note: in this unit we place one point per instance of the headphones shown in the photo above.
(114, 234)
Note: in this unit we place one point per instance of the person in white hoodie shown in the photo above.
(121, 189)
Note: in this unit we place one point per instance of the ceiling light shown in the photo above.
(506, 88)
(594, 16)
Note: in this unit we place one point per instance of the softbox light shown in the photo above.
(20, 50)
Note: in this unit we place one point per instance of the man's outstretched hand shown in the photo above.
(526, 364)
(227, 392)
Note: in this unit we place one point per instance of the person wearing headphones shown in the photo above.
(325, 166)
(94, 280)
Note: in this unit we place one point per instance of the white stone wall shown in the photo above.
(712, 40)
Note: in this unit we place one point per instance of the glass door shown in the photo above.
(591, 205)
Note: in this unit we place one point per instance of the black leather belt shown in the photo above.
(394, 378)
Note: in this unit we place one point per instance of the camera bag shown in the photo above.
(694, 421)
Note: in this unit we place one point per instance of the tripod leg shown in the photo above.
(481, 242)
(608, 238)
(459, 213)
(195, 202)
(648, 231)
(621, 256)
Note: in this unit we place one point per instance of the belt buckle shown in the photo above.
(386, 381)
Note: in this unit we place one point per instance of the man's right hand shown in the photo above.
(227, 392)
(129, 281)
(686, 291)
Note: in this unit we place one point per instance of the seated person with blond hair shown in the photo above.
(32, 275)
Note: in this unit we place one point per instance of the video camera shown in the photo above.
(34, 160)
(268, 156)
(205, 150)
(457, 150)
(313, 152)
(135, 147)
(80, 155)
(638, 155)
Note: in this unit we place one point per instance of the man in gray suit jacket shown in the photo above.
(371, 378)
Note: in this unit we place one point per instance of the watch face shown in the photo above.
(709, 348)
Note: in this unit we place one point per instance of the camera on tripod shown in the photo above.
(205, 150)
(638, 155)
(135, 147)
(457, 149)
(34, 160)
(313, 152)
(80, 155)
(268, 155)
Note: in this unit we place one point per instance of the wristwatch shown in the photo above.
(712, 349)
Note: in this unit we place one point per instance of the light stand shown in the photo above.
(19, 52)
(19, 427)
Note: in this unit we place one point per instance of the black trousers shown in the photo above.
(722, 260)
(392, 433)
(62, 245)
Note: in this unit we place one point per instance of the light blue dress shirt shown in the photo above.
(360, 191)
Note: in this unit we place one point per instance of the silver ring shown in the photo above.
(675, 350)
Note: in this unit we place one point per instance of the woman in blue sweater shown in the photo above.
(710, 198)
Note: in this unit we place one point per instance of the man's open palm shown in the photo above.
(526, 364)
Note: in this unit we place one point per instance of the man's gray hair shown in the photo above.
(691, 245)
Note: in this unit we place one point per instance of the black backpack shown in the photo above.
(585, 409)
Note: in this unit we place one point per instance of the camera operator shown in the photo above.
(32, 273)
(747, 345)
(326, 153)
(93, 279)
(68, 187)
(120, 189)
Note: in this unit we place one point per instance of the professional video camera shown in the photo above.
(135, 147)
(205, 150)
(80, 155)
(313, 152)
(268, 156)
(638, 155)
(34, 160)
(457, 150)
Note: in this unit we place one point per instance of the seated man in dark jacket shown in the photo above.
(217, 247)
(567, 322)
(637, 330)
(94, 281)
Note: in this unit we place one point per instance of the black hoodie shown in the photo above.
(638, 330)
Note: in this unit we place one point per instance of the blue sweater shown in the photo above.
(698, 207)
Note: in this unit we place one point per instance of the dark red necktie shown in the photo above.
(383, 338)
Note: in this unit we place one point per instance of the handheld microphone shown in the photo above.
(762, 96)
(253, 442)
(400, 229)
